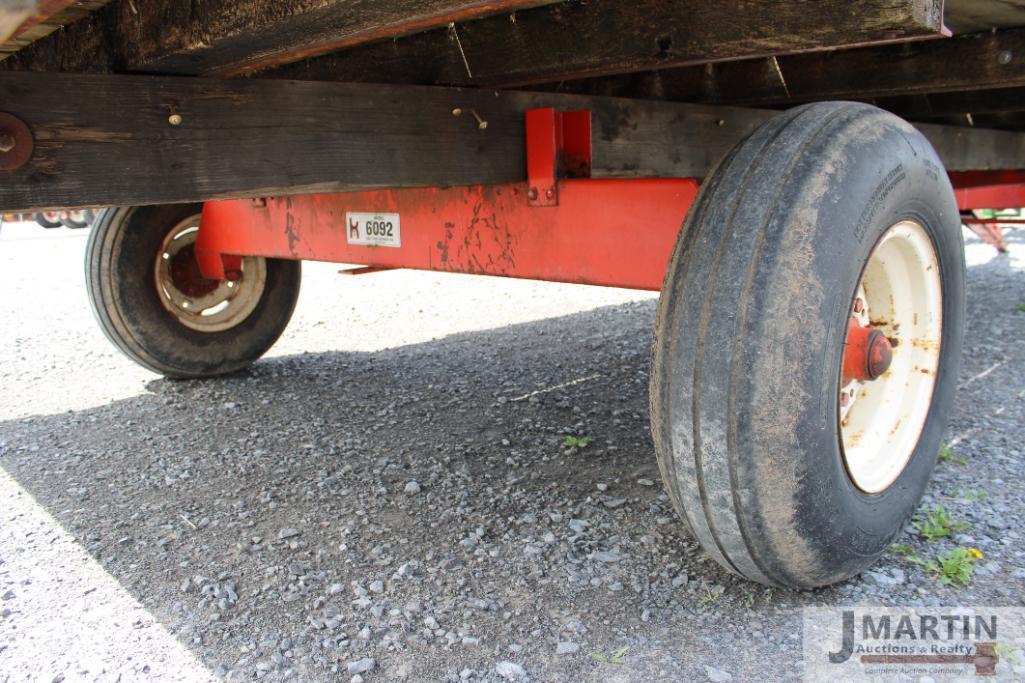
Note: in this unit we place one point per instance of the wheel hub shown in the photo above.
(197, 302)
(186, 276)
(891, 357)
(868, 353)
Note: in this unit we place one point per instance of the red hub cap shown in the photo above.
(868, 353)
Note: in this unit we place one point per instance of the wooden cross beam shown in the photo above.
(103, 140)
(971, 62)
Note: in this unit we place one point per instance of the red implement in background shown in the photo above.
(989, 190)
(559, 225)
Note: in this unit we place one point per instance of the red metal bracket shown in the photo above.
(558, 145)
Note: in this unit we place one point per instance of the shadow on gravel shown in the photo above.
(249, 512)
(413, 505)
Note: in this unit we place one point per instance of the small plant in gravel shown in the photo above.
(710, 594)
(947, 454)
(1008, 653)
(954, 567)
(576, 442)
(936, 524)
(615, 657)
(971, 494)
(906, 552)
(1020, 307)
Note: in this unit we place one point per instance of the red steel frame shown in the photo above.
(559, 225)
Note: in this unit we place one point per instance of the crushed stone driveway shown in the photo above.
(386, 496)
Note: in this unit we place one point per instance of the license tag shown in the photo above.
(373, 229)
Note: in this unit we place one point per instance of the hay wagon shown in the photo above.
(808, 334)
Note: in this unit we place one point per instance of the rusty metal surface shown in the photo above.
(16, 142)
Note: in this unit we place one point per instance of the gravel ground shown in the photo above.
(386, 496)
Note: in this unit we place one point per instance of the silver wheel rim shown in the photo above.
(900, 294)
(211, 306)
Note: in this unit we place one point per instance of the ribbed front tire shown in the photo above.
(750, 336)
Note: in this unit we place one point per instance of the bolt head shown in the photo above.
(7, 141)
(532, 193)
(1005, 57)
(859, 305)
(845, 398)
(549, 193)
(482, 125)
(175, 119)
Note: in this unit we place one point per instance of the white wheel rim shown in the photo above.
(901, 296)
(219, 306)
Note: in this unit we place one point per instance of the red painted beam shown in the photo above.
(603, 232)
(989, 189)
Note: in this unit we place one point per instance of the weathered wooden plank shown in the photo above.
(13, 15)
(229, 38)
(976, 149)
(562, 40)
(1004, 120)
(573, 40)
(965, 105)
(969, 16)
(254, 137)
(45, 17)
(977, 61)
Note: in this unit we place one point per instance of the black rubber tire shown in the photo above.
(750, 332)
(42, 221)
(120, 254)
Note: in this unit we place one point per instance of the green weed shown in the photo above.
(906, 552)
(611, 658)
(936, 524)
(576, 442)
(947, 454)
(954, 567)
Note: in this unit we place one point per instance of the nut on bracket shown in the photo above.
(16, 142)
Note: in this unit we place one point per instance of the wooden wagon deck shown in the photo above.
(963, 66)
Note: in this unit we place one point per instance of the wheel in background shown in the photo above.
(154, 305)
(48, 219)
(77, 219)
(807, 344)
